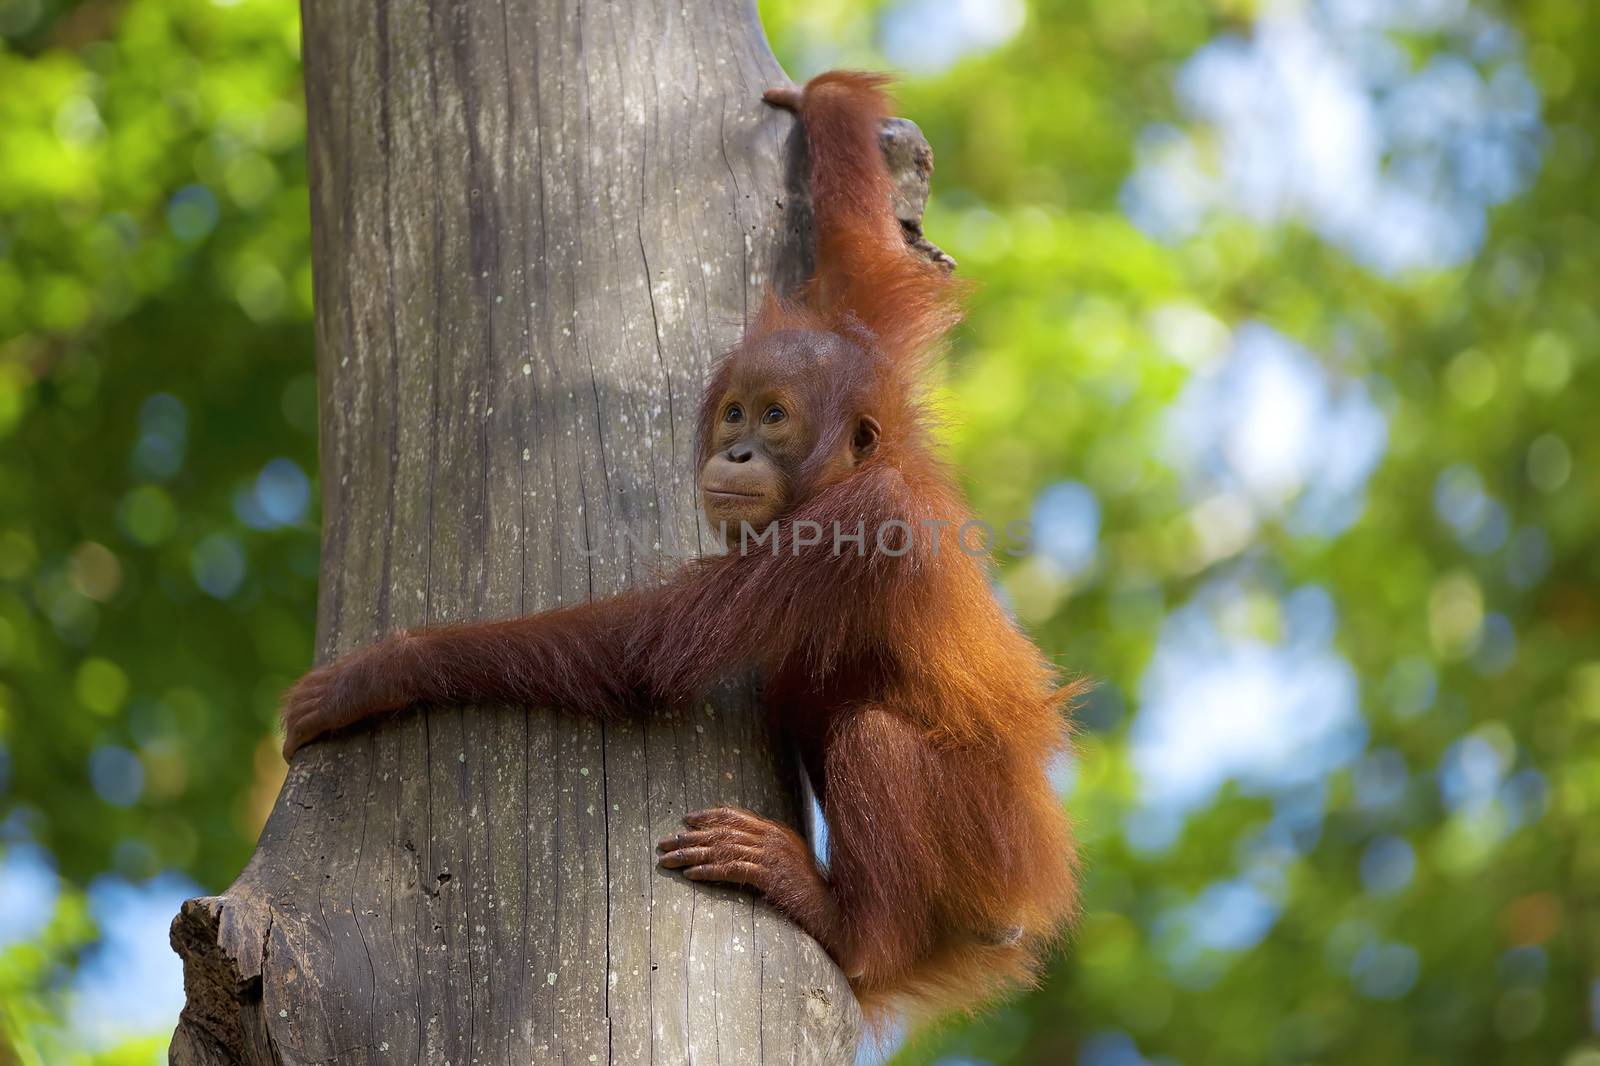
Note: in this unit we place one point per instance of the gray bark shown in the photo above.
(535, 223)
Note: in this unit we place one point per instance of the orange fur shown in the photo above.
(925, 718)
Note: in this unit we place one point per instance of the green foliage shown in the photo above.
(1065, 373)
(154, 357)
(158, 561)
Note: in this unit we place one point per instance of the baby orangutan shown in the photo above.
(924, 718)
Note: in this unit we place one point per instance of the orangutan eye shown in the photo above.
(774, 415)
(734, 415)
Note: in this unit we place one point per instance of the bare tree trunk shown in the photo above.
(535, 223)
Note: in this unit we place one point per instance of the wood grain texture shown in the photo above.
(535, 224)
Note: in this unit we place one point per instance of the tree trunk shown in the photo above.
(535, 223)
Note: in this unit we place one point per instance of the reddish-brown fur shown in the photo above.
(924, 717)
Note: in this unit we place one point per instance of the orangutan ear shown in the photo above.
(865, 440)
